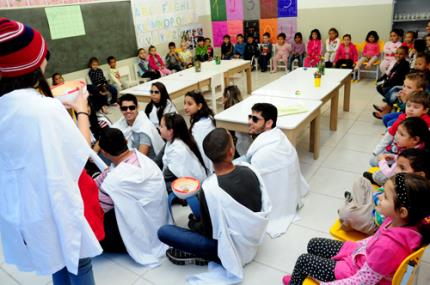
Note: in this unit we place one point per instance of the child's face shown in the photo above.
(409, 38)
(371, 39)
(142, 54)
(184, 45)
(190, 106)
(331, 35)
(250, 40)
(394, 37)
(415, 109)
(226, 40)
(386, 201)
(58, 79)
(155, 94)
(164, 131)
(112, 63)
(346, 41)
(403, 165)
(403, 139)
(239, 40)
(172, 48)
(208, 42)
(201, 43)
(409, 87)
(265, 39)
(153, 51)
(94, 64)
(314, 35)
(428, 41)
(298, 39)
(400, 55)
(281, 40)
(421, 64)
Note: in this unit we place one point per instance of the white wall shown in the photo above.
(310, 4)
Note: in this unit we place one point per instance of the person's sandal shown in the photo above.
(376, 115)
(377, 108)
(179, 257)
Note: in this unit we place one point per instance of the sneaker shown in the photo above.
(348, 196)
(369, 176)
(286, 279)
(179, 257)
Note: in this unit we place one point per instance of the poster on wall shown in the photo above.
(252, 27)
(269, 26)
(251, 9)
(288, 26)
(234, 9)
(268, 9)
(234, 28)
(219, 29)
(287, 8)
(218, 10)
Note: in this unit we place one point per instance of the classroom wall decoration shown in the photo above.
(255, 16)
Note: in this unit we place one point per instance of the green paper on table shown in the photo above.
(291, 110)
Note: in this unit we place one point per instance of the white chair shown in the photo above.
(281, 63)
(126, 78)
(216, 80)
(295, 64)
(136, 71)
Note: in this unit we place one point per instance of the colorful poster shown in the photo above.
(287, 8)
(234, 28)
(268, 9)
(3, 4)
(234, 9)
(288, 26)
(252, 27)
(218, 10)
(251, 9)
(65, 21)
(269, 26)
(18, 3)
(219, 29)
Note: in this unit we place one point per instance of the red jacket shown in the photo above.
(93, 212)
(393, 129)
(341, 53)
(153, 62)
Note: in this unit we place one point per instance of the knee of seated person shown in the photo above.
(311, 244)
(163, 233)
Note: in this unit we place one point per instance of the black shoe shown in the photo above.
(369, 176)
(180, 257)
(348, 196)
(375, 115)
(377, 108)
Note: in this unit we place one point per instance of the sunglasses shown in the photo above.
(154, 92)
(125, 108)
(254, 118)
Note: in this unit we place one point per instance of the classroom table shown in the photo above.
(235, 118)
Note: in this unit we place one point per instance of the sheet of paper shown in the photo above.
(65, 21)
(291, 110)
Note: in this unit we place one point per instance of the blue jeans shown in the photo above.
(391, 95)
(291, 58)
(390, 118)
(85, 275)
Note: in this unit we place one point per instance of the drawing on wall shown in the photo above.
(251, 9)
(288, 26)
(234, 9)
(287, 8)
(252, 27)
(234, 28)
(219, 29)
(218, 10)
(268, 9)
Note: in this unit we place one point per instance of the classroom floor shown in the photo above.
(343, 157)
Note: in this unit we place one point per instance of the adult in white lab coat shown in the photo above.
(234, 211)
(201, 119)
(160, 104)
(42, 221)
(139, 131)
(133, 195)
(276, 160)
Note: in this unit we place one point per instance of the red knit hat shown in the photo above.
(22, 49)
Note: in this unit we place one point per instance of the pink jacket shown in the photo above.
(155, 62)
(371, 50)
(375, 259)
(351, 54)
(314, 48)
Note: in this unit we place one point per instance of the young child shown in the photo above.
(419, 48)
(375, 259)
(390, 49)
(208, 44)
(156, 63)
(239, 47)
(282, 51)
(411, 133)
(370, 51)
(185, 55)
(57, 78)
(201, 50)
(201, 120)
(396, 75)
(417, 105)
(160, 104)
(99, 83)
(297, 51)
(346, 54)
(232, 96)
(427, 38)
(331, 46)
(408, 42)
(226, 48)
(251, 50)
(114, 76)
(265, 52)
(314, 49)
(173, 60)
(143, 64)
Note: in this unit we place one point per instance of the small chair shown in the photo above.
(284, 65)
(124, 71)
(216, 80)
(140, 79)
(337, 232)
(375, 64)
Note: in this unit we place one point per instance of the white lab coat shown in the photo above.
(199, 131)
(238, 230)
(276, 160)
(141, 208)
(181, 161)
(243, 142)
(42, 155)
(170, 108)
(141, 125)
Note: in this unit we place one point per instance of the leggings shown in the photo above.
(317, 263)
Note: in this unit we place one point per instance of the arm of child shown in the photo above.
(113, 79)
(383, 143)
(386, 169)
(365, 276)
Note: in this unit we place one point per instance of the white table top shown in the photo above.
(172, 86)
(239, 113)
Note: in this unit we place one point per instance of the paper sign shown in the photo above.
(218, 10)
(270, 26)
(252, 28)
(234, 28)
(234, 9)
(291, 110)
(287, 8)
(251, 9)
(288, 26)
(65, 21)
(268, 9)
(219, 29)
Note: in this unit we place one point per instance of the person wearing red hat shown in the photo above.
(42, 157)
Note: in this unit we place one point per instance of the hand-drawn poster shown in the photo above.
(270, 26)
(251, 9)
(234, 28)
(218, 10)
(234, 9)
(252, 27)
(268, 9)
(287, 8)
(219, 29)
(288, 26)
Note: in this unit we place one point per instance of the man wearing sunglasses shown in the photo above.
(139, 131)
(276, 160)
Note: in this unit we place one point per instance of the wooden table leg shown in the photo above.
(249, 80)
(333, 110)
(347, 94)
(314, 141)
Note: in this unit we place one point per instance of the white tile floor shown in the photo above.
(344, 156)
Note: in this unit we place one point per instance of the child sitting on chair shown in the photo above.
(373, 260)
(282, 50)
(173, 60)
(99, 84)
(265, 52)
(114, 76)
(185, 55)
(144, 70)
(251, 50)
(156, 63)
(370, 51)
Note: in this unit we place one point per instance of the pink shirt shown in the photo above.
(314, 48)
(371, 50)
(155, 62)
(283, 50)
(351, 53)
(390, 49)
